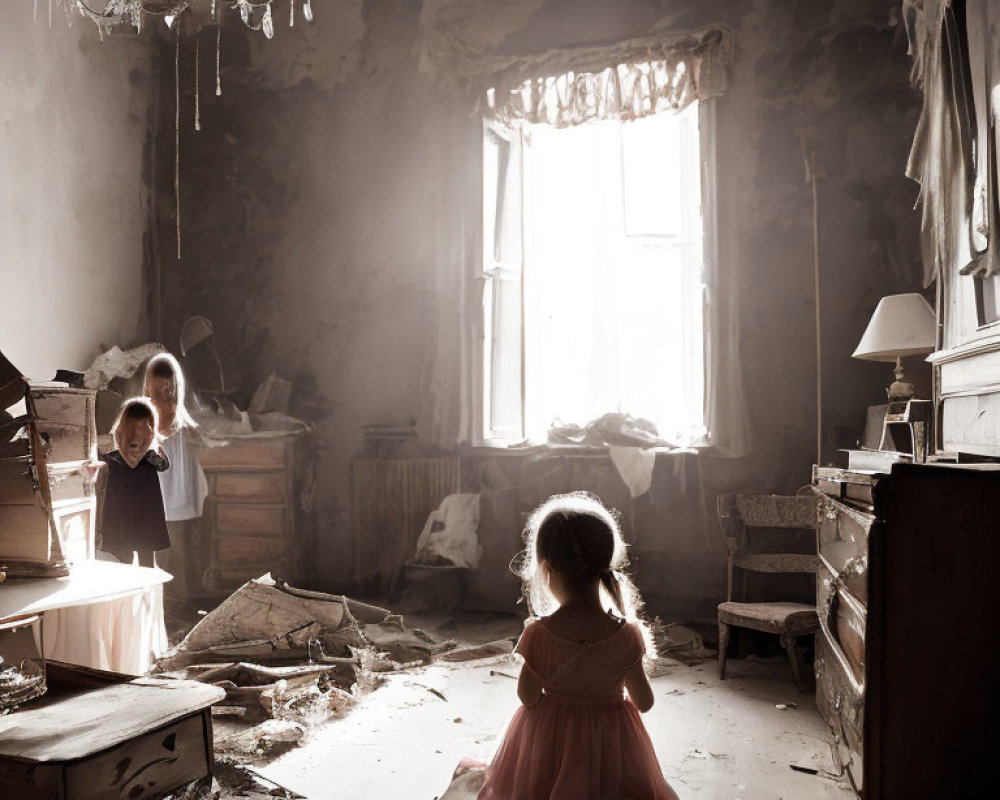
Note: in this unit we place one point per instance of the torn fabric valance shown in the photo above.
(623, 81)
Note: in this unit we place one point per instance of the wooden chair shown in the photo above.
(738, 513)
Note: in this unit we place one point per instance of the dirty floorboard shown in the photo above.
(715, 740)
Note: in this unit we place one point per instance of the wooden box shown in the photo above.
(100, 736)
(47, 502)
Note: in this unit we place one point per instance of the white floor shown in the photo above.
(715, 740)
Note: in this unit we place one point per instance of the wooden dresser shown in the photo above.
(250, 524)
(906, 654)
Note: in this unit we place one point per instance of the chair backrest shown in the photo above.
(740, 512)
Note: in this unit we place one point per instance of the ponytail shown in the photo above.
(609, 580)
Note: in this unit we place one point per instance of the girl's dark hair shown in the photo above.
(581, 546)
(137, 408)
(579, 537)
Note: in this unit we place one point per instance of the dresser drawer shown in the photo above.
(859, 487)
(255, 487)
(844, 620)
(245, 453)
(843, 544)
(250, 519)
(839, 698)
(238, 551)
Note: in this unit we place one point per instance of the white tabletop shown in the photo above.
(88, 582)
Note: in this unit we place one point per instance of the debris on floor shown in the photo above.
(679, 642)
(232, 781)
(290, 659)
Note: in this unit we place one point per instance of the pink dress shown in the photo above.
(583, 740)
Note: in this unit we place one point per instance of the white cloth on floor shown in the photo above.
(183, 484)
(451, 533)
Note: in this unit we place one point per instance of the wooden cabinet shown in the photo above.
(48, 506)
(101, 736)
(904, 658)
(251, 524)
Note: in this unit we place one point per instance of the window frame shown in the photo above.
(494, 271)
(490, 270)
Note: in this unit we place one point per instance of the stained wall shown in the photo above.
(310, 218)
(73, 133)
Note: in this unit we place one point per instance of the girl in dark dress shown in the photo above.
(132, 518)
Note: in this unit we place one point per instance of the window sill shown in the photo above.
(503, 449)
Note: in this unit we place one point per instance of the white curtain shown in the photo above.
(606, 83)
(613, 317)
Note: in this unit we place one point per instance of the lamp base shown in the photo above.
(899, 391)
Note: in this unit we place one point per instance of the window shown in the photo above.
(592, 276)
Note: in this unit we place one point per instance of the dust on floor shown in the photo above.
(718, 740)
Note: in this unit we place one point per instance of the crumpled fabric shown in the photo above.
(451, 534)
(613, 428)
(624, 81)
(941, 158)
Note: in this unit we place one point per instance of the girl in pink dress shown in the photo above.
(577, 735)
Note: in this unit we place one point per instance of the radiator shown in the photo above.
(392, 499)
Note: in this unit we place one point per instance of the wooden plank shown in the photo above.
(264, 452)
(248, 518)
(263, 487)
(69, 728)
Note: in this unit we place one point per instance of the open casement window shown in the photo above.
(502, 360)
(593, 294)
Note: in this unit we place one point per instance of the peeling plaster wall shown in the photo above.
(307, 238)
(72, 132)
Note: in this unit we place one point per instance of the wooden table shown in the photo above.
(87, 614)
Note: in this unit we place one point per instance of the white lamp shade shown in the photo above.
(902, 325)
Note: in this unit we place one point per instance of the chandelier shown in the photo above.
(257, 15)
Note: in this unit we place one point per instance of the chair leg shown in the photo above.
(788, 642)
(723, 646)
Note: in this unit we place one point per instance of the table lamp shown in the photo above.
(902, 325)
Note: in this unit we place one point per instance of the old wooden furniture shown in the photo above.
(967, 359)
(905, 663)
(100, 736)
(250, 524)
(739, 514)
(47, 502)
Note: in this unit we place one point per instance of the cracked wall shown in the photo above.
(307, 238)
